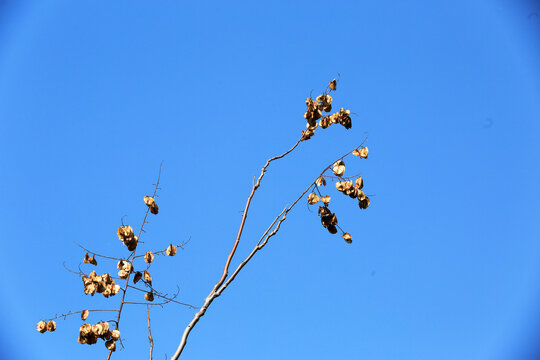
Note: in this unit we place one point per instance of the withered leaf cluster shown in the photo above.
(328, 219)
(89, 334)
(89, 260)
(315, 109)
(124, 268)
(151, 203)
(126, 235)
(43, 326)
(354, 191)
(363, 152)
(102, 284)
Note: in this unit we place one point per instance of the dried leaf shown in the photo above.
(347, 237)
(84, 314)
(149, 296)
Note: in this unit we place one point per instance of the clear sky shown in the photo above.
(445, 264)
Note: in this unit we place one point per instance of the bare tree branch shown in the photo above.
(149, 332)
(223, 283)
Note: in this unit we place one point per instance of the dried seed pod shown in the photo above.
(340, 185)
(91, 339)
(132, 243)
(115, 289)
(89, 260)
(85, 330)
(92, 275)
(148, 200)
(123, 274)
(323, 210)
(81, 339)
(332, 229)
(51, 325)
(41, 326)
(320, 181)
(363, 152)
(137, 277)
(325, 122)
(84, 314)
(359, 183)
(127, 266)
(149, 296)
(107, 278)
(120, 265)
(105, 325)
(90, 289)
(326, 200)
(124, 232)
(364, 203)
(347, 237)
(115, 334)
(313, 198)
(339, 168)
(97, 329)
(332, 84)
(149, 257)
(110, 345)
(147, 276)
(171, 250)
(347, 186)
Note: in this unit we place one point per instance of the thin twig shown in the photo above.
(96, 254)
(77, 312)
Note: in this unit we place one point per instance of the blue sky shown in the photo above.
(444, 264)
